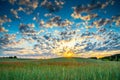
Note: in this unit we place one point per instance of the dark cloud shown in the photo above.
(52, 6)
(13, 49)
(12, 1)
(7, 38)
(116, 19)
(95, 5)
(4, 19)
(105, 21)
(15, 13)
(55, 21)
(26, 28)
(31, 4)
(3, 41)
(102, 22)
(27, 6)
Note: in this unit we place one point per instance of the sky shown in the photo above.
(59, 28)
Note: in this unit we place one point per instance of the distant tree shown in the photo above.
(15, 57)
(93, 57)
(12, 57)
(115, 57)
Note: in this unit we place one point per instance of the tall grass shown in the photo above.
(59, 69)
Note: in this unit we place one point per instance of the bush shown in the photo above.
(12, 57)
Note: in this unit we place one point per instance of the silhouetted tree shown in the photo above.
(12, 57)
(15, 57)
(115, 57)
(93, 57)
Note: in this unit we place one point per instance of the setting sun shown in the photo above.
(68, 54)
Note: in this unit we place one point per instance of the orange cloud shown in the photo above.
(2, 29)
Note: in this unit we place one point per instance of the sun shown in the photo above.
(68, 54)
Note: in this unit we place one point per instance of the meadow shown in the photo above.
(59, 69)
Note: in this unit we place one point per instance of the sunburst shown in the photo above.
(68, 54)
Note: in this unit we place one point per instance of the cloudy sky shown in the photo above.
(55, 28)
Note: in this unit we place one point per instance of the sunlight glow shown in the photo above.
(68, 54)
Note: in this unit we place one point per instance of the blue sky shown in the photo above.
(53, 28)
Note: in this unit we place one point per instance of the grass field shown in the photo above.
(59, 69)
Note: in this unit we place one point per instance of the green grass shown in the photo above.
(59, 69)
